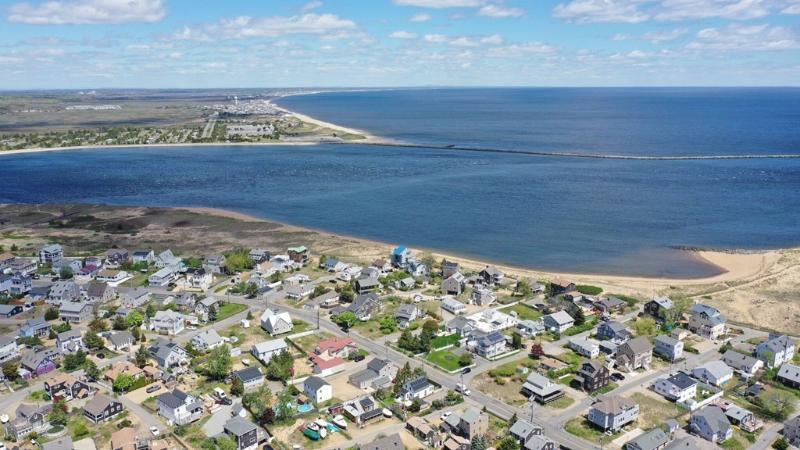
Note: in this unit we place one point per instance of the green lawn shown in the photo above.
(445, 359)
(561, 403)
(606, 389)
(444, 341)
(591, 321)
(229, 309)
(653, 412)
(585, 430)
(524, 312)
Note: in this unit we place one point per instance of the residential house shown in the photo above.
(64, 386)
(244, 432)
(335, 347)
(362, 410)
(613, 331)
(123, 367)
(216, 264)
(491, 275)
(298, 291)
(678, 387)
(251, 378)
(393, 441)
(8, 348)
(333, 265)
(424, 431)
(491, 345)
(168, 322)
(70, 341)
(198, 278)
(203, 307)
(449, 268)
(558, 322)
(541, 388)
(658, 308)
(9, 311)
(379, 373)
(298, 254)
(524, 432)
(35, 327)
(75, 312)
(585, 347)
(163, 277)
(530, 327)
(744, 419)
(560, 286)
(715, 373)
(482, 296)
(21, 284)
(707, 321)
(400, 256)
(112, 276)
(259, 255)
(264, 351)
(5, 281)
(120, 341)
(28, 419)
(63, 291)
(101, 408)
(51, 254)
(143, 256)
(116, 257)
(455, 442)
(655, 439)
(364, 285)
(276, 323)
(179, 408)
(39, 363)
(405, 314)
(207, 339)
(777, 350)
(168, 259)
(99, 292)
(668, 347)
(469, 423)
(326, 366)
(6, 259)
(745, 365)
(134, 297)
(365, 305)
(610, 305)
(416, 389)
(613, 412)
(635, 354)
(711, 424)
(453, 306)
(317, 389)
(592, 376)
(326, 300)
(789, 374)
(454, 284)
(167, 354)
(791, 431)
(24, 266)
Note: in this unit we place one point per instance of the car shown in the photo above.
(617, 376)
(101, 356)
(155, 431)
(462, 388)
(466, 370)
(446, 414)
(359, 358)
(153, 388)
(2, 446)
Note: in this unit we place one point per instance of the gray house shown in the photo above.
(251, 378)
(654, 439)
(454, 284)
(711, 424)
(379, 373)
(613, 412)
(791, 431)
(244, 432)
(75, 311)
(634, 354)
(668, 347)
(558, 322)
(776, 351)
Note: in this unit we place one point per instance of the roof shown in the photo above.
(173, 399)
(326, 363)
(682, 381)
(73, 307)
(377, 364)
(121, 337)
(492, 338)
(561, 317)
(522, 428)
(97, 404)
(736, 359)
(239, 426)
(400, 250)
(314, 383)
(333, 344)
(209, 336)
(715, 418)
(789, 372)
(663, 302)
(418, 384)
(639, 345)
(69, 334)
(270, 346)
(64, 443)
(667, 340)
(777, 344)
(614, 405)
(651, 440)
(391, 442)
(686, 443)
(248, 374)
(452, 303)
(716, 368)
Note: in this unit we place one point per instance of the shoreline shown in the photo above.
(733, 266)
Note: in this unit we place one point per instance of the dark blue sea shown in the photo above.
(554, 213)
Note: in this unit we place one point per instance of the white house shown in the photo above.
(715, 373)
(264, 351)
(317, 389)
(678, 387)
(453, 306)
(776, 351)
(558, 322)
(585, 347)
(168, 322)
(163, 277)
(276, 323)
(207, 340)
(179, 408)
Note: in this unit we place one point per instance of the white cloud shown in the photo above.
(702, 9)
(313, 4)
(521, 49)
(60, 12)
(436, 38)
(403, 35)
(494, 39)
(598, 11)
(500, 12)
(422, 17)
(745, 37)
(654, 37)
(793, 7)
(328, 26)
(439, 4)
(464, 41)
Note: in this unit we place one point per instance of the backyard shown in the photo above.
(524, 312)
(654, 412)
(229, 309)
(445, 359)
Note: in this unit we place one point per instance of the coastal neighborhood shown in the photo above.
(286, 348)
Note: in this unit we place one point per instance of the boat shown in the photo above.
(340, 422)
(314, 431)
(387, 413)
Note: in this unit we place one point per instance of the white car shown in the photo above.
(446, 414)
(462, 389)
(155, 430)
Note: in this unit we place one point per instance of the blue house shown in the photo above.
(35, 327)
(400, 256)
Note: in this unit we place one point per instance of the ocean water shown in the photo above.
(563, 214)
(621, 121)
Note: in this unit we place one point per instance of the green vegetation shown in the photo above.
(229, 309)
(583, 429)
(561, 403)
(588, 289)
(444, 341)
(590, 322)
(645, 326)
(445, 359)
(239, 260)
(524, 312)
(606, 389)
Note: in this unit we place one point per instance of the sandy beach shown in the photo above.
(202, 144)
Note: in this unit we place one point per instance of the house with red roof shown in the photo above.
(335, 347)
(325, 367)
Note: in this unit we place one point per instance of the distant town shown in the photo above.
(151, 348)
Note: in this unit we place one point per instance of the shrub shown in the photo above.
(587, 289)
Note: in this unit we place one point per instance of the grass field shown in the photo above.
(524, 312)
(229, 309)
(561, 403)
(653, 412)
(581, 427)
(444, 341)
(445, 359)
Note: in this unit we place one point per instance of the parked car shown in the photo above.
(153, 388)
(155, 431)
(359, 358)
(617, 376)
(467, 370)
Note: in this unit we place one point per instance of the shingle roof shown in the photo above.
(315, 383)
(681, 380)
(614, 404)
(239, 426)
(97, 404)
(248, 374)
(651, 440)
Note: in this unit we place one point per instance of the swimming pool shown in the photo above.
(305, 408)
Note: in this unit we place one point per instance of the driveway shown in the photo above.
(216, 424)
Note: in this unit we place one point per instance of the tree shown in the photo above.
(781, 444)
(776, 404)
(431, 326)
(137, 333)
(11, 370)
(58, 415)
(219, 363)
(578, 316)
(513, 419)
(74, 361)
(212, 313)
(283, 408)
(415, 406)
(98, 324)
(516, 341)
(237, 387)
(508, 443)
(123, 382)
(225, 443)
(191, 350)
(93, 341)
(142, 355)
(135, 319)
(119, 323)
(65, 273)
(280, 366)
(346, 320)
(537, 351)
(479, 442)
(51, 313)
(91, 370)
(320, 290)
(346, 293)
(150, 311)
(268, 416)
(645, 326)
(465, 360)
(249, 315)
(387, 325)
(523, 288)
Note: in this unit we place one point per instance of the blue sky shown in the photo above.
(276, 43)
